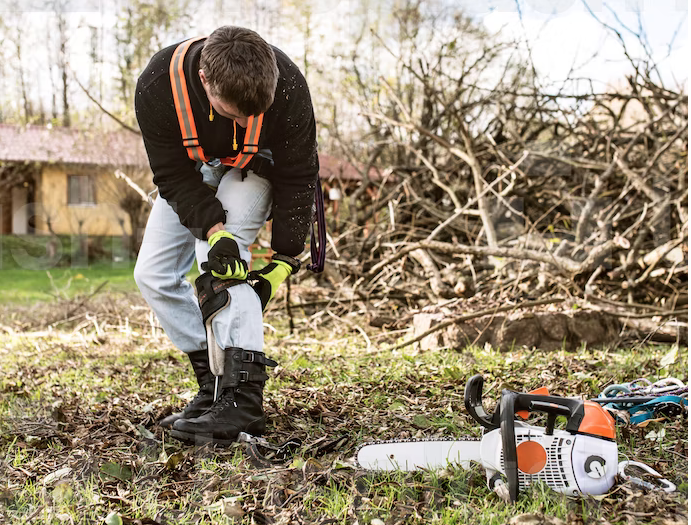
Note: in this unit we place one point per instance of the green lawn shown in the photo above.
(27, 274)
(23, 285)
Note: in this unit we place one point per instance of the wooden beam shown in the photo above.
(6, 212)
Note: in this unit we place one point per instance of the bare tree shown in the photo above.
(16, 37)
(62, 60)
(143, 28)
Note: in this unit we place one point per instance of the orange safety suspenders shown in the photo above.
(186, 120)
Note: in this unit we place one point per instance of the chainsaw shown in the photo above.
(580, 459)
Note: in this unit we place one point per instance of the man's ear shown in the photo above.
(202, 76)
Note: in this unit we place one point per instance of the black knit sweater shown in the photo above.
(288, 130)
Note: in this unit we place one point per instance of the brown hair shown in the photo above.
(240, 68)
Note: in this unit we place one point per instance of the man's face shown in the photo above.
(225, 109)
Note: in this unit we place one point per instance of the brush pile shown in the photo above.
(508, 190)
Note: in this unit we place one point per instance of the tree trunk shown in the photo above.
(62, 64)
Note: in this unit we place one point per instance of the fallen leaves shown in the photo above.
(116, 471)
(82, 424)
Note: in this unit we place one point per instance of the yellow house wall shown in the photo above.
(98, 219)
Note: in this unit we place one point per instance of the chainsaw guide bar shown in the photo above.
(413, 454)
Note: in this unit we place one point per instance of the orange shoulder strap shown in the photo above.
(181, 99)
(251, 146)
(188, 129)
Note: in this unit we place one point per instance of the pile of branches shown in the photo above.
(508, 190)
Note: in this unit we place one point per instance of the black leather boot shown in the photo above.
(239, 405)
(204, 398)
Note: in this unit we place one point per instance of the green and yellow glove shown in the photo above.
(224, 257)
(267, 280)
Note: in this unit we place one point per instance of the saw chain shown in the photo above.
(464, 439)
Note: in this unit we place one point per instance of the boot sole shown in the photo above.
(200, 439)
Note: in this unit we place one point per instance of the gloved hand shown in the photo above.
(267, 280)
(224, 257)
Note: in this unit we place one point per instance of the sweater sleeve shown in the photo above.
(296, 167)
(178, 182)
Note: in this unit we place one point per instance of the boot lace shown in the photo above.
(226, 399)
(200, 393)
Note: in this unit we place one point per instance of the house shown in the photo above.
(62, 180)
(341, 175)
(340, 178)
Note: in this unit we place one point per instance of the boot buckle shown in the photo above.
(243, 376)
(248, 357)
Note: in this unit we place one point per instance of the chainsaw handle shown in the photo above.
(572, 409)
(472, 400)
(550, 408)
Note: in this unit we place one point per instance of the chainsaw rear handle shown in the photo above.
(473, 403)
(572, 409)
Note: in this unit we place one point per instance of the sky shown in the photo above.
(570, 36)
(559, 34)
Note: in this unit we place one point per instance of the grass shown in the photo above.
(25, 285)
(27, 275)
(79, 439)
(49, 251)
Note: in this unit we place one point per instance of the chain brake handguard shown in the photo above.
(472, 400)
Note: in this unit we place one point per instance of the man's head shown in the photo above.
(239, 73)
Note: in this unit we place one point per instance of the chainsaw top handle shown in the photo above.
(530, 402)
(583, 417)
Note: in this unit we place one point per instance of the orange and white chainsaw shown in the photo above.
(580, 459)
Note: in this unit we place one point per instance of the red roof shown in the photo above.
(71, 146)
(114, 148)
(331, 168)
